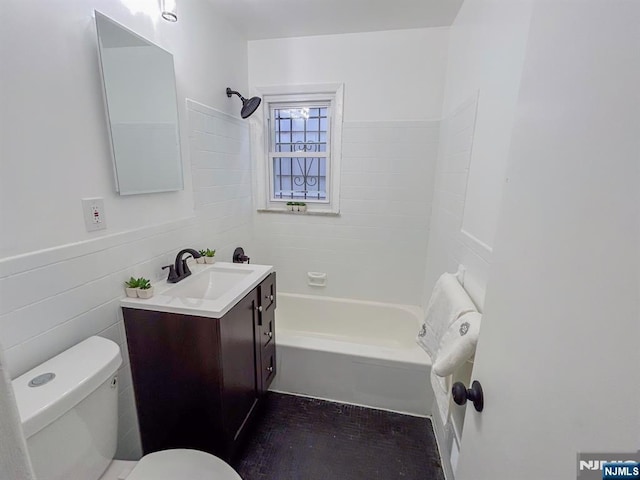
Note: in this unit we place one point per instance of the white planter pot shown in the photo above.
(210, 259)
(147, 293)
(200, 260)
(131, 292)
(297, 208)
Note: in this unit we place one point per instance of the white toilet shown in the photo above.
(69, 412)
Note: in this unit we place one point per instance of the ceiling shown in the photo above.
(261, 19)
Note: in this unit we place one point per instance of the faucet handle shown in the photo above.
(239, 256)
(173, 276)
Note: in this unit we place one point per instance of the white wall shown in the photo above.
(53, 131)
(487, 43)
(486, 53)
(558, 354)
(391, 75)
(393, 83)
(53, 136)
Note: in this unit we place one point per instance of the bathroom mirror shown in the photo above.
(141, 103)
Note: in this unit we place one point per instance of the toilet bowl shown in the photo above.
(182, 464)
(68, 407)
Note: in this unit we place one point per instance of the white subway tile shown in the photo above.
(54, 299)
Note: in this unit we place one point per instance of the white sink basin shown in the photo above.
(210, 291)
(212, 283)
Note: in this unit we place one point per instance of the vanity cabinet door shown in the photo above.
(266, 320)
(240, 386)
(268, 371)
(176, 379)
(266, 334)
(268, 292)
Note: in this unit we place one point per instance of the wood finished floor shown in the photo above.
(301, 438)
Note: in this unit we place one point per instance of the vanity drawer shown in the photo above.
(267, 328)
(268, 366)
(268, 293)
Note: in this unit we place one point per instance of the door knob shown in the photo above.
(461, 394)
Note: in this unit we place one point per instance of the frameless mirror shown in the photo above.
(141, 102)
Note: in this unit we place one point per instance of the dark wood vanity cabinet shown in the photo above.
(198, 381)
(265, 334)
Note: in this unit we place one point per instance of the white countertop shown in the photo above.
(165, 300)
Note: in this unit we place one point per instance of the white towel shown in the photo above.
(447, 303)
(458, 344)
(442, 393)
(14, 459)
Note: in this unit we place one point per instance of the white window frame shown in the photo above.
(333, 94)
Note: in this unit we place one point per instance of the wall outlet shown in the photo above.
(94, 216)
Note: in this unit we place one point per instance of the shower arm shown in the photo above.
(233, 92)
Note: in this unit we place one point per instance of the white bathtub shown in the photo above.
(352, 351)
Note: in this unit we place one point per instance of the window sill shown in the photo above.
(322, 213)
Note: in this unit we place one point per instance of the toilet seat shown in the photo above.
(182, 464)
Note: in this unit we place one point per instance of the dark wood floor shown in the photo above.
(308, 439)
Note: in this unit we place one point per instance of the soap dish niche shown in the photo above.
(316, 279)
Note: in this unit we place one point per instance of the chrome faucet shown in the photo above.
(180, 270)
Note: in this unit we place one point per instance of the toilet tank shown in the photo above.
(70, 418)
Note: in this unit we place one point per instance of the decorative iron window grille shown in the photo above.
(299, 152)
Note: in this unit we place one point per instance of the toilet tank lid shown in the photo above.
(78, 372)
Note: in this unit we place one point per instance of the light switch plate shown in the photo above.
(94, 216)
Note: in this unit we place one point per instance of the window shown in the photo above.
(300, 158)
(298, 151)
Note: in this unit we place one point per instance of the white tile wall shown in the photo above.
(53, 299)
(448, 245)
(221, 168)
(376, 248)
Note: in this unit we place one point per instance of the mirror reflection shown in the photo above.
(141, 103)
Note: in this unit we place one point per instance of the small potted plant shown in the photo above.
(299, 207)
(202, 253)
(209, 256)
(144, 290)
(131, 287)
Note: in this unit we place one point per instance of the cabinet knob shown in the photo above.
(259, 308)
(269, 334)
(269, 369)
(269, 297)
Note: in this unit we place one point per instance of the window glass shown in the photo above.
(299, 130)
